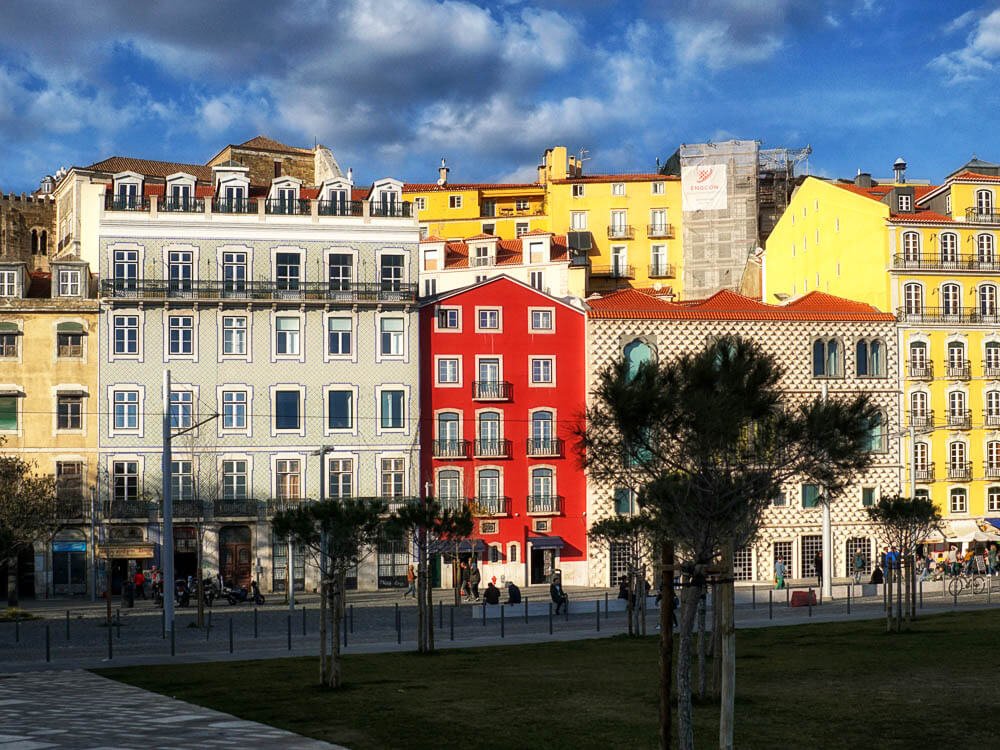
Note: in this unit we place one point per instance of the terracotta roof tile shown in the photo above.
(263, 143)
(427, 187)
(509, 252)
(536, 232)
(638, 177)
(432, 238)
(150, 167)
(483, 236)
(921, 217)
(968, 176)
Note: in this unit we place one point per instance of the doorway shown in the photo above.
(185, 552)
(543, 563)
(25, 574)
(234, 555)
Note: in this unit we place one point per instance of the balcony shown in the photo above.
(492, 390)
(339, 208)
(114, 202)
(286, 207)
(189, 508)
(975, 216)
(961, 472)
(491, 449)
(453, 504)
(659, 231)
(121, 509)
(451, 449)
(992, 470)
(951, 316)
(314, 291)
(959, 420)
(234, 206)
(483, 261)
(991, 418)
(957, 262)
(991, 372)
(958, 370)
(922, 421)
(490, 506)
(235, 508)
(621, 232)
(70, 508)
(544, 505)
(924, 473)
(921, 370)
(183, 205)
(545, 447)
(616, 271)
(402, 210)
(661, 271)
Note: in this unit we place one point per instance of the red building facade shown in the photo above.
(503, 386)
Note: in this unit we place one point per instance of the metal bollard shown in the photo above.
(173, 639)
(451, 619)
(598, 608)
(605, 605)
(111, 651)
(525, 610)
(955, 597)
(501, 622)
(344, 628)
(118, 624)
(48, 652)
(254, 622)
(399, 629)
(770, 605)
(208, 628)
(67, 626)
(921, 595)
(350, 617)
(809, 601)
(484, 614)
(163, 624)
(989, 590)
(753, 596)
(566, 610)
(787, 601)
(441, 614)
(17, 629)
(289, 632)
(848, 599)
(303, 621)
(550, 618)
(230, 635)
(397, 616)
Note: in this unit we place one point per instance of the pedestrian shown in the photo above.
(140, 584)
(877, 576)
(464, 579)
(818, 567)
(513, 593)
(557, 593)
(953, 560)
(474, 579)
(623, 588)
(859, 566)
(492, 594)
(991, 559)
(779, 573)
(411, 583)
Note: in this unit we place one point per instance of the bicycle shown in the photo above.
(962, 581)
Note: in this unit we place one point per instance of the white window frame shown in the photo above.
(457, 309)
(140, 317)
(455, 201)
(521, 228)
(10, 283)
(302, 458)
(618, 189)
(340, 315)
(658, 187)
(531, 320)
(578, 190)
(167, 316)
(247, 390)
(420, 203)
(541, 360)
(438, 360)
(247, 459)
(392, 456)
(486, 309)
(138, 430)
(273, 411)
(293, 338)
(407, 409)
(68, 280)
(578, 221)
(355, 391)
(953, 494)
(403, 354)
(247, 355)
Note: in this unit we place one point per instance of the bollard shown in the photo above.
(989, 590)
(289, 632)
(501, 622)
(173, 641)
(484, 614)
(118, 624)
(753, 596)
(955, 595)
(399, 630)
(441, 614)
(397, 615)
(598, 608)
(605, 605)
(17, 629)
(208, 627)
(110, 647)
(921, 595)
(809, 601)
(566, 610)
(230, 635)
(848, 599)
(350, 617)
(451, 619)
(67, 626)
(163, 624)
(550, 618)
(303, 621)
(344, 628)
(48, 652)
(254, 622)
(770, 605)
(787, 602)
(525, 610)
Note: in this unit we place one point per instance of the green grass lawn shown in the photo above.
(839, 685)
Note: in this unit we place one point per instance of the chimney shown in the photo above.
(443, 173)
(899, 170)
(864, 179)
(350, 176)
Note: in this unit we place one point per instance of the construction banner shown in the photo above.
(703, 187)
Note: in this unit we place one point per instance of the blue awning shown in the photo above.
(546, 542)
(993, 521)
(465, 546)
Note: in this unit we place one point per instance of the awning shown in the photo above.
(11, 390)
(465, 546)
(993, 521)
(6, 327)
(69, 328)
(545, 542)
(135, 550)
(969, 530)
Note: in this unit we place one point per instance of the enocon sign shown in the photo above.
(703, 188)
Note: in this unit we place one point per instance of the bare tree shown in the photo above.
(633, 535)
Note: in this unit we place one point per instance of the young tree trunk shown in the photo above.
(323, 594)
(725, 604)
(689, 609)
(198, 588)
(630, 589)
(334, 678)
(430, 605)
(702, 646)
(908, 573)
(899, 594)
(12, 581)
(887, 587)
(715, 645)
(666, 643)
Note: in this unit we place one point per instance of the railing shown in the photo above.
(922, 421)
(959, 370)
(72, 507)
(479, 262)
(924, 473)
(452, 503)
(550, 504)
(191, 509)
(949, 315)
(286, 207)
(114, 202)
(975, 216)
(621, 232)
(921, 371)
(339, 208)
(655, 231)
(957, 262)
(961, 420)
(991, 419)
(451, 448)
(617, 271)
(400, 210)
(235, 507)
(129, 509)
(188, 205)
(490, 506)
(545, 447)
(320, 291)
(992, 470)
(491, 390)
(961, 472)
(491, 449)
(661, 271)
(990, 371)
(234, 205)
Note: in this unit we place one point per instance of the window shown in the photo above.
(489, 229)
(521, 205)
(991, 359)
(69, 282)
(69, 480)
(234, 410)
(448, 318)
(454, 201)
(8, 413)
(489, 484)
(234, 480)
(449, 429)
(286, 331)
(339, 331)
(391, 337)
(287, 271)
(542, 429)
(447, 370)
(958, 500)
(636, 354)
(911, 247)
(9, 334)
(126, 410)
(619, 261)
(126, 331)
(625, 504)
(918, 356)
(537, 280)
(779, 500)
(957, 366)
(488, 319)
(984, 202)
(288, 485)
(341, 272)
(987, 301)
(8, 284)
(125, 480)
(181, 332)
(949, 248)
(618, 188)
(542, 370)
(541, 320)
(876, 434)
(956, 457)
(180, 267)
(993, 500)
(488, 431)
(287, 410)
(951, 299)
(810, 496)
(520, 228)
(867, 497)
(543, 486)
(659, 188)
(993, 458)
(181, 409)
(578, 191)
(871, 358)
(182, 480)
(126, 269)
(905, 202)
(449, 486)
(577, 220)
(234, 335)
(340, 410)
(921, 457)
(992, 408)
(489, 374)
(69, 340)
(985, 253)
(658, 260)
(234, 272)
(340, 478)
(393, 477)
(392, 409)
(69, 413)
(430, 287)
(913, 299)
(826, 358)
(918, 408)
(420, 203)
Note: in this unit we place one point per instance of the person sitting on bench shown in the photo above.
(492, 594)
(558, 595)
(513, 593)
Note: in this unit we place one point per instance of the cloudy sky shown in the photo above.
(393, 85)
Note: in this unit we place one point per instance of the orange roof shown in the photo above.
(638, 177)
(263, 143)
(921, 217)
(536, 232)
(483, 236)
(425, 187)
(509, 252)
(635, 304)
(150, 167)
(968, 176)
(878, 192)
(432, 238)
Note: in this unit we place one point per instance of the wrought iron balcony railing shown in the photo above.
(615, 271)
(492, 390)
(114, 202)
(183, 205)
(961, 472)
(922, 420)
(956, 262)
(992, 470)
(959, 420)
(661, 271)
(991, 418)
(286, 207)
(451, 449)
(340, 208)
(490, 506)
(400, 210)
(492, 449)
(234, 205)
(924, 473)
(958, 369)
(621, 232)
(921, 370)
(658, 231)
(544, 504)
(963, 315)
(975, 216)
(541, 447)
(319, 291)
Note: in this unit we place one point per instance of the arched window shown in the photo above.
(449, 487)
(913, 299)
(957, 413)
(951, 299)
(957, 365)
(489, 440)
(993, 459)
(542, 439)
(919, 364)
(871, 358)
(987, 301)
(949, 248)
(827, 359)
(449, 433)
(43, 243)
(991, 359)
(876, 434)
(921, 457)
(984, 250)
(911, 247)
(957, 454)
(489, 484)
(542, 482)
(636, 353)
(919, 416)
(993, 499)
(34, 242)
(992, 416)
(984, 202)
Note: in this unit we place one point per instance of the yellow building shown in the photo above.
(627, 226)
(929, 254)
(48, 360)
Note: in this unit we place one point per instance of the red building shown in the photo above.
(503, 371)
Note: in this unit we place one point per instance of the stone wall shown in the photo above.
(19, 215)
(261, 164)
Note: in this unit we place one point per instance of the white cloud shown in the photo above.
(979, 55)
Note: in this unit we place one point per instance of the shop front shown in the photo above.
(126, 552)
(69, 563)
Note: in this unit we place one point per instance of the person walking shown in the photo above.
(411, 583)
(991, 559)
(859, 566)
(953, 560)
(779, 573)
(474, 579)
(140, 585)
(818, 567)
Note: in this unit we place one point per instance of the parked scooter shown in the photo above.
(182, 594)
(239, 594)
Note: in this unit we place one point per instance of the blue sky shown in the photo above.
(393, 85)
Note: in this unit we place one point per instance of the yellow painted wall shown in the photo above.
(467, 221)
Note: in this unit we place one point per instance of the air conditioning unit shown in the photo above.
(579, 240)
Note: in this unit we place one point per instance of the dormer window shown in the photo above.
(232, 189)
(10, 283)
(387, 199)
(905, 202)
(482, 255)
(179, 193)
(336, 199)
(127, 192)
(284, 198)
(69, 282)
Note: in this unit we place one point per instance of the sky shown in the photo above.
(392, 86)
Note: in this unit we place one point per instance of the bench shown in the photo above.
(540, 608)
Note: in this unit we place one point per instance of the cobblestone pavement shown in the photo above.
(83, 711)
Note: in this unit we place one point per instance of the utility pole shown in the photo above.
(167, 542)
